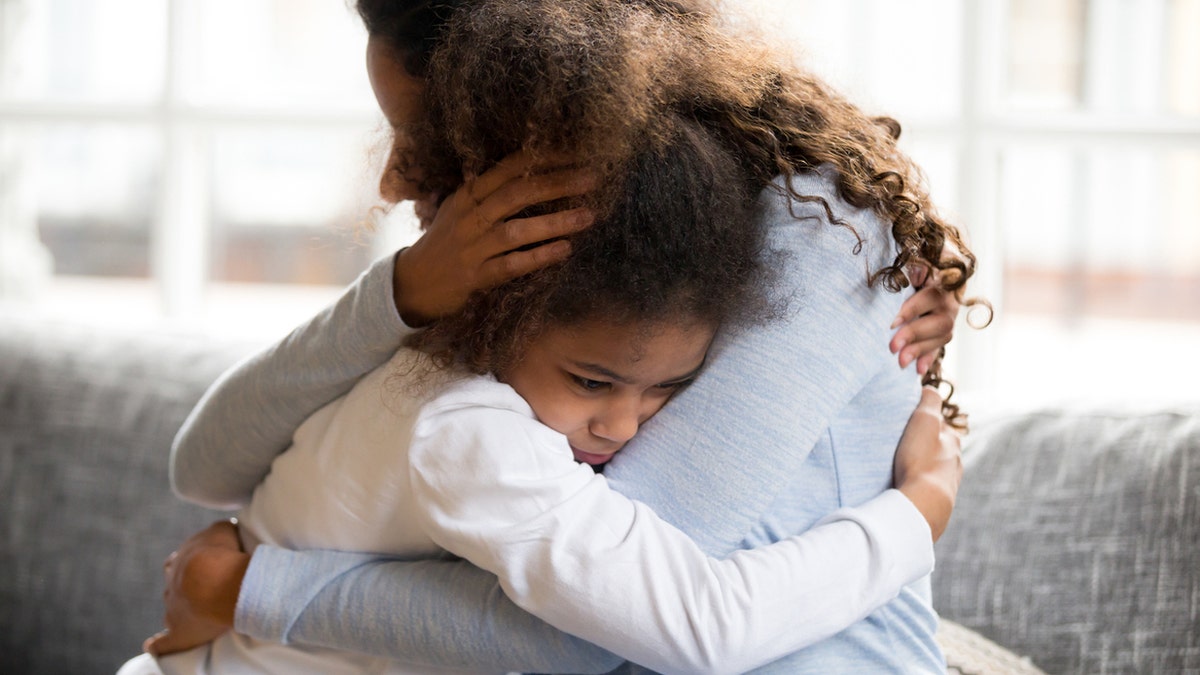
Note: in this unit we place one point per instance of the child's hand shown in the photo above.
(926, 323)
(203, 578)
(469, 245)
(928, 464)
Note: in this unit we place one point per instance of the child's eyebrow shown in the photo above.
(597, 369)
(687, 376)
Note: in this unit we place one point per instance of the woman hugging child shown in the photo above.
(487, 441)
(474, 439)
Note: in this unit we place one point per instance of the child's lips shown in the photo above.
(590, 457)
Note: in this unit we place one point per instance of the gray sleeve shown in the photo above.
(247, 417)
(428, 612)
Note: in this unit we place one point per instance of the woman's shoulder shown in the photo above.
(810, 200)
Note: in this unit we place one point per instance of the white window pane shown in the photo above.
(888, 57)
(1183, 58)
(96, 193)
(1045, 54)
(274, 53)
(938, 161)
(1103, 232)
(292, 205)
(96, 51)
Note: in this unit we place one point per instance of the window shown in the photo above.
(1065, 136)
(208, 162)
(190, 161)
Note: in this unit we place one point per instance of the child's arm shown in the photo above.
(453, 614)
(503, 491)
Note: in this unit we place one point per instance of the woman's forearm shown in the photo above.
(431, 612)
(248, 415)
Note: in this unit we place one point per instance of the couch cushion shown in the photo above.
(1076, 541)
(86, 514)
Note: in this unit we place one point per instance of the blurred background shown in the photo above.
(210, 166)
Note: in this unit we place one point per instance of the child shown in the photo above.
(480, 439)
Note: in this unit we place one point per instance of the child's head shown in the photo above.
(675, 253)
(597, 381)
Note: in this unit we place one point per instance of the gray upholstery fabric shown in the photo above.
(1076, 541)
(86, 515)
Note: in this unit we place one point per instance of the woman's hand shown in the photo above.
(928, 464)
(203, 578)
(926, 323)
(470, 245)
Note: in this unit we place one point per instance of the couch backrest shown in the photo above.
(86, 514)
(1076, 541)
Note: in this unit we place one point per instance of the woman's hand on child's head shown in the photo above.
(928, 463)
(473, 243)
(926, 324)
(203, 578)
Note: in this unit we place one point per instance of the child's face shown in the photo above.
(596, 382)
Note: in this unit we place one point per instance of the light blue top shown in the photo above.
(789, 422)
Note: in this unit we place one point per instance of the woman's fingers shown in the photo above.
(921, 350)
(522, 192)
(517, 263)
(516, 165)
(518, 233)
(922, 336)
(471, 244)
(926, 322)
(925, 301)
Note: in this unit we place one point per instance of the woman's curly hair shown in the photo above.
(592, 80)
(673, 246)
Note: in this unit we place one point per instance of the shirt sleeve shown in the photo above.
(443, 613)
(247, 417)
(502, 491)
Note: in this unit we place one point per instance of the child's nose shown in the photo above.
(618, 422)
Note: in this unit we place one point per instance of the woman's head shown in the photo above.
(574, 77)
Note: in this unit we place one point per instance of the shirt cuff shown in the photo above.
(899, 530)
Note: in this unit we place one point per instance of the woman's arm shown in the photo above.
(247, 416)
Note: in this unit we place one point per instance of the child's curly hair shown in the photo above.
(674, 245)
(593, 79)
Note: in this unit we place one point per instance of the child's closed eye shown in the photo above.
(676, 385)
(589, 384)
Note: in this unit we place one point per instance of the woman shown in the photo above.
(724, 499)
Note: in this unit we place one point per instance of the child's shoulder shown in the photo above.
(465, 391)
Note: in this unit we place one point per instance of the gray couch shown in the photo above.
(1076, 542)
